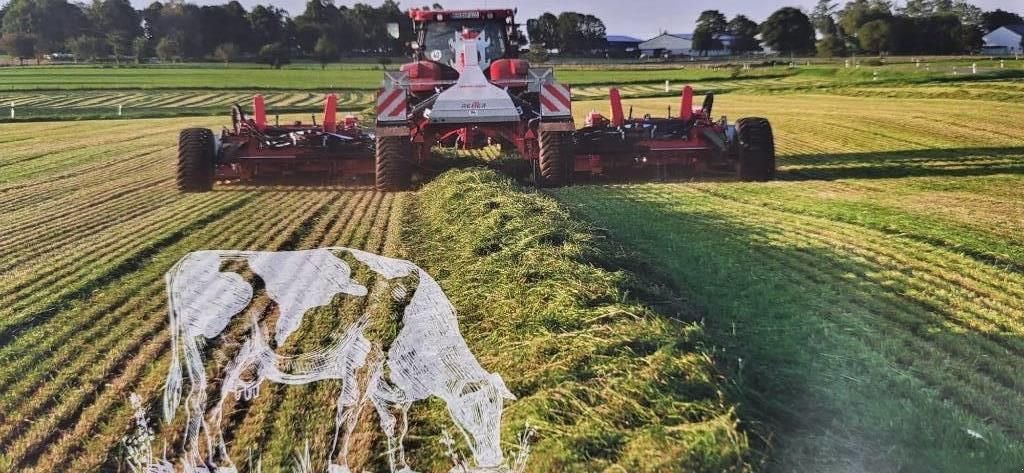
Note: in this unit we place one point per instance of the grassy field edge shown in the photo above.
(607, 382)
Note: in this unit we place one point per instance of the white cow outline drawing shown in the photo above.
(427, 358)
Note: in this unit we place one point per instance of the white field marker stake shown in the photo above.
(974, 68)
(119, 106)
(12, 110)
(666, 87)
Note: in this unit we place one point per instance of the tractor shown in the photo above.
(466, 87)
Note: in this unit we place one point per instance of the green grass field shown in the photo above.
(868, 305)
(863, 312)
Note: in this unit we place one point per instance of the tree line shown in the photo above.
(879, 27)
(177, 30)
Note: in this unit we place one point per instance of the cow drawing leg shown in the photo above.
(386, 398)
(403, 428)
(347, 414)
(233, 385)
(195, 406)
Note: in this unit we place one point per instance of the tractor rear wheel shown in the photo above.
(756, 149)
(195, 160)
(394, 170)
(555, 158)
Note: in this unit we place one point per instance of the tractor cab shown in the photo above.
(440, 33)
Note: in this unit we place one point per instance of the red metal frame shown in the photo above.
(251, 158)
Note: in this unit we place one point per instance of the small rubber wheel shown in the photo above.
(394, 168)
(556, 155)
(756, 150)
(195, 160)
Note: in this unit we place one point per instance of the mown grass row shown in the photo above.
(608, 383)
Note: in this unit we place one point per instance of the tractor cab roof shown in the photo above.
(430, 16)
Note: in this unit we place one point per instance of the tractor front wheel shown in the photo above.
(394, 170)
(195, 160)
(756, 149)
(556, 157)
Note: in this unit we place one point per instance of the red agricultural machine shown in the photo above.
(253, 148)
(468, 88)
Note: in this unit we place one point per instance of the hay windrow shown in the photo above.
(609, 384)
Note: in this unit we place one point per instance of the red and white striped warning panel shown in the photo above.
(391, 105)
(555, 100)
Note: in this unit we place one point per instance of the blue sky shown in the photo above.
(640, 18)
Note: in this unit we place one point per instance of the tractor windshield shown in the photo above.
(442, 39)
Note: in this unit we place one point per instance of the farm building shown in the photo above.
(668, 44)
(1006, 40)
(680, 44)
(623, 46)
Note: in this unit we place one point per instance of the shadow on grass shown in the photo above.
(954, 162)
(835, 370)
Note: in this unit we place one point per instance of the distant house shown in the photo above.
(681, 44)
(1005, 40)
(623, 46)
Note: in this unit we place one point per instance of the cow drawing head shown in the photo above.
(477, 412)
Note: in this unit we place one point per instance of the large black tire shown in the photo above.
(394, 167)
(195, 160)
(556, 157)
(756, 150)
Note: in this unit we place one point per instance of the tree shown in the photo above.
(87, 48)
(918, 8)
(858, 12)
(325, 51)
(50, 22)
(831, 46)
(140, 47)
(823, 17)
(19, 45)
(543, 30)
(875, 36)
(226, 52)
(538, 54)
(275, 55)
(744, 33)
(993, 20)
(971, 38)
(168, 50)
(711, 25)
(788, 31)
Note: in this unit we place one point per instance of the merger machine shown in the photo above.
(467, 88)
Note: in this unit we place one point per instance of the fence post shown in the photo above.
(119, 109)
(12, 110)
(974, 68)
(666, 87)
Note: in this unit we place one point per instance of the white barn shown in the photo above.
(1006, 39)
(670, 44)
(680, 44)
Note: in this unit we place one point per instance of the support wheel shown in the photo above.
(756, 150)
(394, 170)
(195, 160)
(556, 157)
